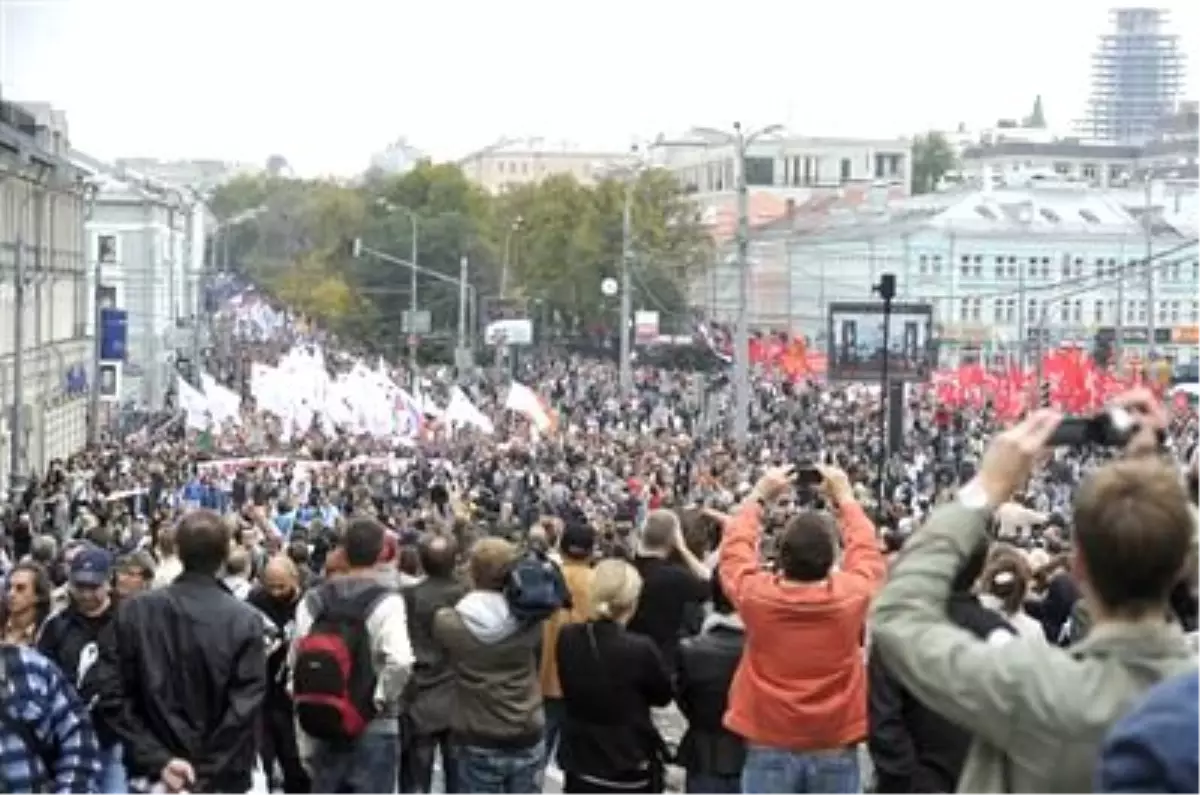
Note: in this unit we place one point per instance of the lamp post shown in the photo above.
(414, 252)
(513, 228)
(741, 141)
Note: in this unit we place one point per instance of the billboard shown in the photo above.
(855, 336)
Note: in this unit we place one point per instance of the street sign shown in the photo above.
(419, 322)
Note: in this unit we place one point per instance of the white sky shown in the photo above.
(326, 84)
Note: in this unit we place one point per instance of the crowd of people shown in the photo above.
(630, 602)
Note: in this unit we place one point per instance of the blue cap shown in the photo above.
(91, 567)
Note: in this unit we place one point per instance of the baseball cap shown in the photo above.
(578, 540)
(91, 567)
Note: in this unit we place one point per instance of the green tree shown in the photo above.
(570, 240)
(932, 158)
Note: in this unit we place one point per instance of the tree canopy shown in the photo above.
(558, 239)
(933, 158)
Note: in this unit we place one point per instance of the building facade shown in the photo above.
(43, 206)
(791, 167)
(142, 234)
(1004, 270)
(1137, 77)
(509, 163)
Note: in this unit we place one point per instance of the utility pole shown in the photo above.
(741, 345)
(97, 275)
(626, 365)
(1148, 228)
(190, 305)
(16, 450)
(464, 267)
(414, 250)
(1119, 322)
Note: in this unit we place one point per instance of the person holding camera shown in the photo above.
(1038, 715)
(799, 694)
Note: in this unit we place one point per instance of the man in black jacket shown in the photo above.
(184, 681)
(711, 754)
(276, 598)
(913, 748)
(429, 695)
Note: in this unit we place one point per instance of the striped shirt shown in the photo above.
(47, 742)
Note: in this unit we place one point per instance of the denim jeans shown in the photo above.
(495, 770)
(369, 765)
(776, 770)
(417, 758)
(711, 783)
(112, 771)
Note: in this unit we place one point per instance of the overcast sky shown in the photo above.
(327, 83)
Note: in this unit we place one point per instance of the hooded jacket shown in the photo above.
(493, 657)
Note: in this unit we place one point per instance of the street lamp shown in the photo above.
(414, 252)
(630, 174)
(513, 228)
(741, 344)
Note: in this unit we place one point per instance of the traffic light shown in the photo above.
(1044, 394)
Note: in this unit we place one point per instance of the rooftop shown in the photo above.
(1038, 209)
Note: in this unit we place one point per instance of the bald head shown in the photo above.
(281, 578)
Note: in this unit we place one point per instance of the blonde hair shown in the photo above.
(615, 589)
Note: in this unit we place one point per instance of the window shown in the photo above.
(965, 310)
(1078, 311)
(999, 268)
(1031, 312)
(1033, 267)
(923, 265)
(1173, 271)
(1116, 173)
(985, 212)
(937, 265)
(978, 269)
(1162, 311)
(1098, 312)
(107, 297)
(760, 171)
(1010, 310)
(1089, 171)
(1045, 267)
(1079, 267)
(977, 309)
(1089, 216)
(1143, 311)
(846, 169)
(1062, 167)
(1195, 317)
(106, 249)
(1196, 270)
(1174, 316)
(998, 310)
(1050, 215)
(1066, 266)
(965, 267)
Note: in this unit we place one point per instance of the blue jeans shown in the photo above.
(711, 783)
(495, 770)
(369, 765)
(113, 778)
(776, 770)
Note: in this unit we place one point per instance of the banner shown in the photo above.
(645, 326)
(114, 335)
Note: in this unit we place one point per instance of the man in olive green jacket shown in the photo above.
(1038, 713)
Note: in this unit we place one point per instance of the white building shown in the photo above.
(147, 238)
(996, 265)
(43, 201)
(512, 162)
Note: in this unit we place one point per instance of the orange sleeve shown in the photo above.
(737, 561)
(862, 562)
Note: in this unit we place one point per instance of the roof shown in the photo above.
(1066, 148)
(1030, 210)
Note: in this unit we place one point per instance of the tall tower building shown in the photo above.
(1137, 77)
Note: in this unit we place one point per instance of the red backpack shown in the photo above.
(333, 675)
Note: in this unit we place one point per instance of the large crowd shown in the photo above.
(534, 581)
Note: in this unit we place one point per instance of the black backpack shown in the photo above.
(333, 675)
(535, 588)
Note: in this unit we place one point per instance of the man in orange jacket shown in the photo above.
(799, 695)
